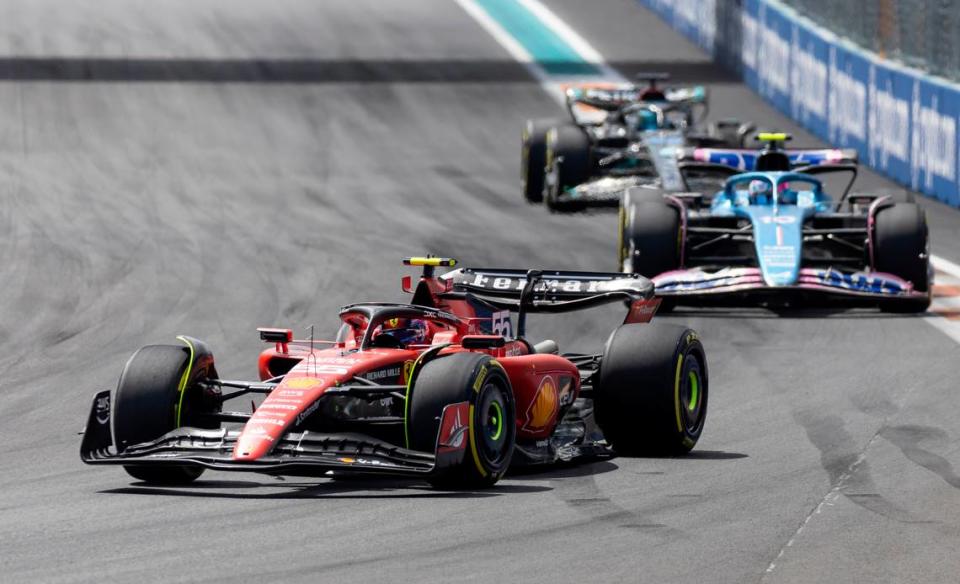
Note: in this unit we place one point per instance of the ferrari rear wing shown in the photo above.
(550, 291)
(543, 291)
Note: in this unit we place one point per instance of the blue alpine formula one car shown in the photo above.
(776, 237)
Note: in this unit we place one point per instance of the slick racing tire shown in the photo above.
(900, 248)
(491, 428)
(649, 242)
(568, 165)
(730, 136)
(652, 394)
(733, 132)
(903, 196)
(145, 407)
(533, 158)
(898, 197)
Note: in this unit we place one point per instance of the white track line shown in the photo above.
(576, 42)
(502, 37)
(516, 50)
(945, 266)
(549, 83)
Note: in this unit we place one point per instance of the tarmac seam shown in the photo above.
(828, 500)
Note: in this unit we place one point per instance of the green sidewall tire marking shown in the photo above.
(694, 390)
(499, 422)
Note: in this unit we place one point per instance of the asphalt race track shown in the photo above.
(203, 167)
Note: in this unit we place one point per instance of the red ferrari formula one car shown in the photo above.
(444, 388)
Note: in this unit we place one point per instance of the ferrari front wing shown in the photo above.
(303, 453)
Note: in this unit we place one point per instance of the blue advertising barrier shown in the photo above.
(901, 121)
(809, 74)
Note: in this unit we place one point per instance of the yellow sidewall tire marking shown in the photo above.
(406, 401)
(622, 246)
(473, 447)
(182, 387)
(676, 393)
(551, 139)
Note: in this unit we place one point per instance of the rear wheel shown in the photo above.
(901, 248)
(491, 428)
(649, 233)
(533, 158)
(903, 196)
(567, 165)
(147, 404)
(652, 394)
(729, 133)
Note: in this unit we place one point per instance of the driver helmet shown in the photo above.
(405, 331)
(646, 120)
(786, 195)
(759, 192)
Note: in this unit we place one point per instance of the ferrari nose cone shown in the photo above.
(286, 405)
(255, 442)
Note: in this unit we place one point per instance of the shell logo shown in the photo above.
(543, 408)
(304, 383)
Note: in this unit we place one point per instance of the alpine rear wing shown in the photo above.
(546, 291)
(745, 159)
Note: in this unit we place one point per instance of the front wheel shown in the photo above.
(901, 248)
(653, 389)
(568, 164)
(533, 158)
(491, 426)
(650, 236)
(733, 133)
(156, 394)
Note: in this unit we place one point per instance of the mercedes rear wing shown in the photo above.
(585, 100)
(613, 98)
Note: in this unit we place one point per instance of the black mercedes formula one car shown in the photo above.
(618, 136)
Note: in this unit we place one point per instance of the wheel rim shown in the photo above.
(694, 383)
(693, 394)
(493, 426)
(494, 423)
